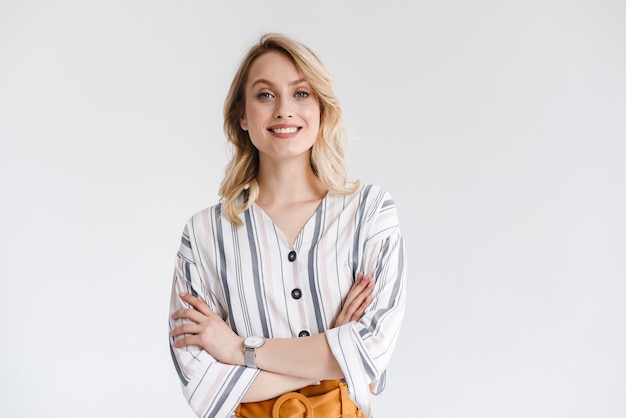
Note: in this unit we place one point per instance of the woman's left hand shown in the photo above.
(358, 299)
(207, 330)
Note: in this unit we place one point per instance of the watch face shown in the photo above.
(254, 341)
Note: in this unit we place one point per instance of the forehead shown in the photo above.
(273, 66)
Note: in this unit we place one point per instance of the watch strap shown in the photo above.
(250, 357)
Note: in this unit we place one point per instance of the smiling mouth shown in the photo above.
(284, 130)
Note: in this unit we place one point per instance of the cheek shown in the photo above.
(255, 115)
(255, 123)
(313, 115)
(317, 119)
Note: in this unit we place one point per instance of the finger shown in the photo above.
(360, 301)
(190, 314)
(356, 300)
(197, 303)
(356, 296)
(186, 340)
(369, 279)
(358, 280)
(358, 313)
(357, 288)
(361, 280)
(185, 329)
(365, 283)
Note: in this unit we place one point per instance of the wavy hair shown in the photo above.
(327, 154)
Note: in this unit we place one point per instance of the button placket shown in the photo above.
(296, 293)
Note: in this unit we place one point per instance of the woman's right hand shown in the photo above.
(357, 300)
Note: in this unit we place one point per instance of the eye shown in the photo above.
(302, 94)
(265, 95)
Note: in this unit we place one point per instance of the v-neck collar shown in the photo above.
(296, 244)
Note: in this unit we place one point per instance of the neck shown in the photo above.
(288, 182)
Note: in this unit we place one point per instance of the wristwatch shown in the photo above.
(250, 345)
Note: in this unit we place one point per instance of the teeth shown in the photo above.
(285, 130)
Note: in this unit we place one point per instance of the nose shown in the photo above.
(283, 109)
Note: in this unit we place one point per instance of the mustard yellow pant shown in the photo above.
(327, 400)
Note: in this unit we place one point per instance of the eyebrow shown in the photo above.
(264, 81)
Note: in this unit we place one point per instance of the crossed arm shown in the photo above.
(286, 363)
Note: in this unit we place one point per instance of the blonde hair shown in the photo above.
(327, 153)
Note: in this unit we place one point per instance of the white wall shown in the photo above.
(499, 127)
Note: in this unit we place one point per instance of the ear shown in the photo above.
(243, 123)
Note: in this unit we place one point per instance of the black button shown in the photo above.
(291, 256)
(304, 334)
(296, 293)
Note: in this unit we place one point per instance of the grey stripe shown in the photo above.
(371, 373)
(183, 257)
(356, 392)
(374, 205)
(219, 237)
(393, 301)
(319, 317)
(382, 383)
(254, 254)
(194, 251)
(187, 268)
(383, 232)
(179, 371)
(199, 382)
(357, 233)
(216, 407)
(347, 374)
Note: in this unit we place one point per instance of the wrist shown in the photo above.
(238, 354)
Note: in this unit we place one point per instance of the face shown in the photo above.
(282, 112)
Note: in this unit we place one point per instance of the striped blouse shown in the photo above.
(261, 284)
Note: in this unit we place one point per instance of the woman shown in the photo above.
(294, 283)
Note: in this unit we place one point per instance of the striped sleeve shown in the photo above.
(212, 389)
(363, 349)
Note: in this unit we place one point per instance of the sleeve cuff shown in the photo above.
(343, 344)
